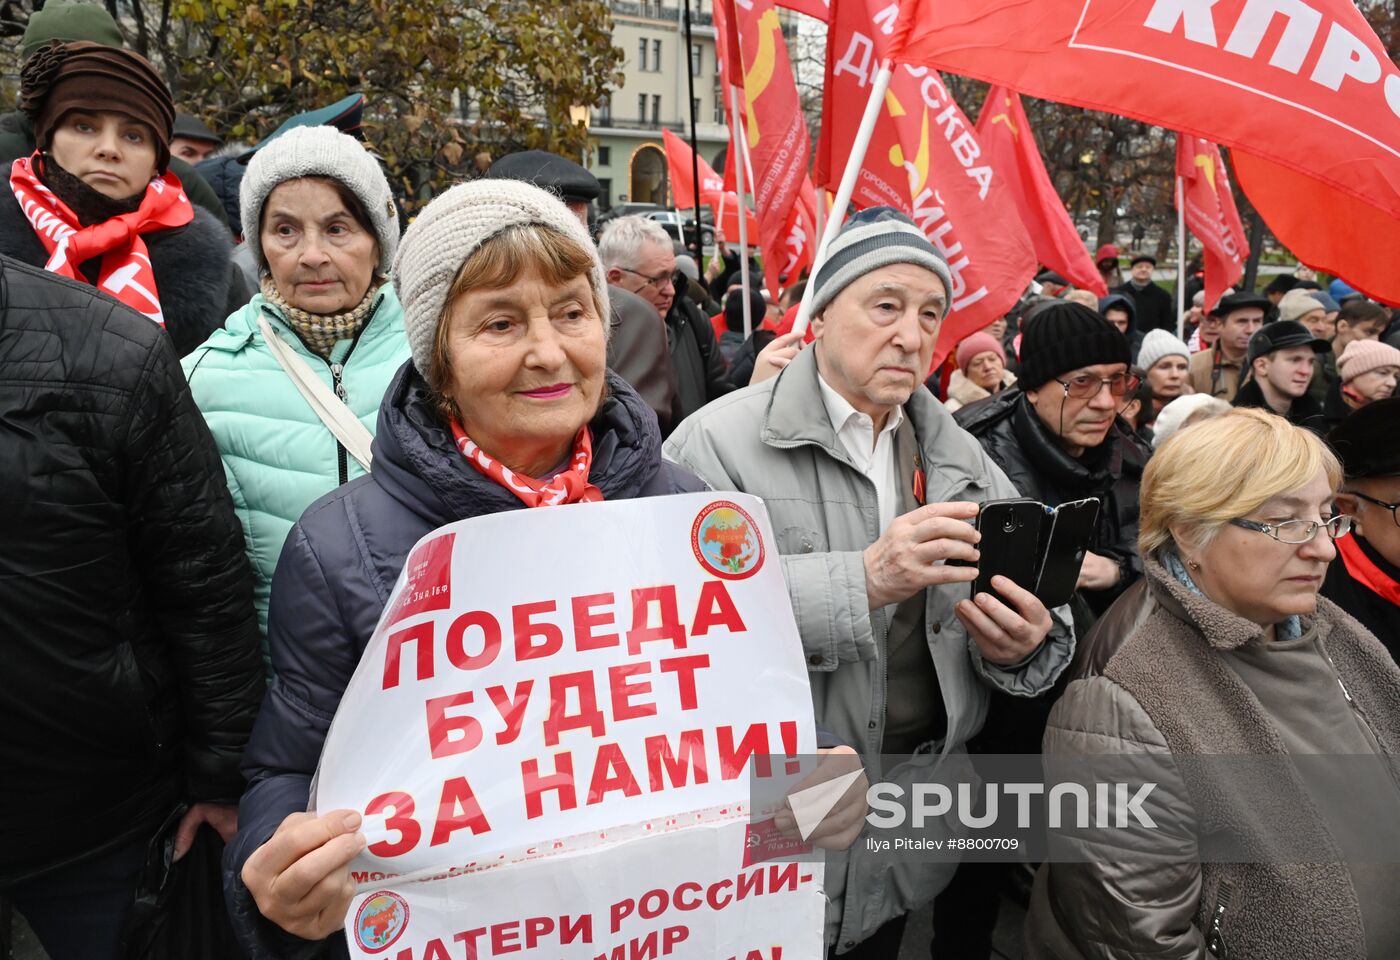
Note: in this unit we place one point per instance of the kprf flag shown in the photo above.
(1209, 210)
(1303, 83)
(681, 161)
(775, 131)
(926, 159)
(1009, 144)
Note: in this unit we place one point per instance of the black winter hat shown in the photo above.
(734, 309)
(1065, 336)
(559, 175)
(1365, 441)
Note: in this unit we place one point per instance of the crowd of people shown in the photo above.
(233, 396)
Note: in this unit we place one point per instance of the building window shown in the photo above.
(695, 59)
(642, 108)
(719, 110)
(656, 56)
(605, 111)
(694, 108)
(656, 108)
(605, 199)
(604, 156)
(642, 54)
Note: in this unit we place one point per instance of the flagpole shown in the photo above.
(694, 148)
(1180, 263)
(821, 217)
(848, 186)
(736, 157)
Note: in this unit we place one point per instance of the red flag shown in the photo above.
(1209, 209)
(926, 159)
(679, 159)
(813, 8)
(776, 129)
(1304, 83)
(1009, 146)
(1325, 228)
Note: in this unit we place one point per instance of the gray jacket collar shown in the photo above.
(796, 416)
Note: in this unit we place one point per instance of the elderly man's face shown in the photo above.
(651, 277)
(1142, 271)
(875, 339)
(1238, 327)
(1080, 422)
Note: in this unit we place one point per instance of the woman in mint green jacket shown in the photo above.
(318, 214)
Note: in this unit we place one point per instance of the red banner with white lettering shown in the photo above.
(926, 159)
(1009, 144)
(1304, 83)
(679, 160)
(1209, 209)
(776, 131)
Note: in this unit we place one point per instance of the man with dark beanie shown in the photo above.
(1058, 437)
(733, 336)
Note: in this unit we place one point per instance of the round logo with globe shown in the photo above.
(726, 541)
(380, 921)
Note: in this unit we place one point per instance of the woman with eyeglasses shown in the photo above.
(1364, 580)
(1237, 658)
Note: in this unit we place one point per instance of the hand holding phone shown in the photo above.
(906, 558)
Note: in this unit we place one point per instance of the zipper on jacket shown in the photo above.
(1215, 936)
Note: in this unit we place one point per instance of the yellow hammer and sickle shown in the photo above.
(1006, 119)
(760, 73)
(1207, 163)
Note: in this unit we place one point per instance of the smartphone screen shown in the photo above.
(1010, 543)
(1071, 530)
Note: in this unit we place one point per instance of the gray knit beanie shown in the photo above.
(453, 227)
(872, 239)
(1158, 345)
(319, 152)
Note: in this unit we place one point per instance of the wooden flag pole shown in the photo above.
(848, 186)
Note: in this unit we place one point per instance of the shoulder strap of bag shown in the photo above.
(353, 435)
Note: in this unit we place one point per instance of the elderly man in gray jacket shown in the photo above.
(870, 486)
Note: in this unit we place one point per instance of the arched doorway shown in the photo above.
(647, 174)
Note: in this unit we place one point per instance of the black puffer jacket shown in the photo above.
(131, 672)
(197, 282)
(334, 576)
(1013, 435)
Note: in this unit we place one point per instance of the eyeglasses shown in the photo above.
(1394, 508)
(1087, 388)
(1299, 531)
(658, 281)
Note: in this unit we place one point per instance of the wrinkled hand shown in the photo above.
(300, 878)
(223, 817)
(775, 356)
(907, 557)
(1005, 635)
(843, 823)
(1098, 573)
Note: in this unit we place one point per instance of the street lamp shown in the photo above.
(578, 117)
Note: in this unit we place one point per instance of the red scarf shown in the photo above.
(1364, 571)
(570, 485)
(125, 272)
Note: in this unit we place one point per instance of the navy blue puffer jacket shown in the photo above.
(333, 580)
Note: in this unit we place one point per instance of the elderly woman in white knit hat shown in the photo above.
(507, 405)
(1166, 360)
(291, 386)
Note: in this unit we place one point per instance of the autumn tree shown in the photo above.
(444, 80)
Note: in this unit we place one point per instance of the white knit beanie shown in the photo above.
(453, 227)
(1158, 345)
(319, 152)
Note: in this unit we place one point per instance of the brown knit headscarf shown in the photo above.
(59, 77)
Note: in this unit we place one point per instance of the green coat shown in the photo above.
(278, 457)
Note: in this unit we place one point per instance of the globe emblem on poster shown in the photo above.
(726, 541)
(380, 921)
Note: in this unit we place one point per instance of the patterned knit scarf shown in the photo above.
(319, 333)
(570, 485)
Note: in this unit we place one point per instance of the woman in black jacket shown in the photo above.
(498, 279)
(95, 202)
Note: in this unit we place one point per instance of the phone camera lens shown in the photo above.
(1010, 524)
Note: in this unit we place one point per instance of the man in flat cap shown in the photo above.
(1364, 580)
(1280, 364)
(193, 140)
(570, 182)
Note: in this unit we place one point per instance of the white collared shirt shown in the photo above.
(872, 456)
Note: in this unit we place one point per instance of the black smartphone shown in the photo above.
(1071, 530)
(1010, 543)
